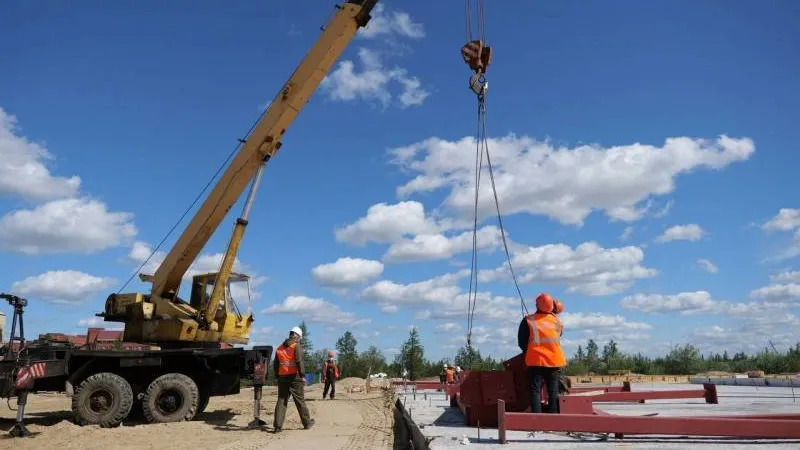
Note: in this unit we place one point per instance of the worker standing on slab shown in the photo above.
(539, 338)
(450, 375)
(330, 373)
(290, 371)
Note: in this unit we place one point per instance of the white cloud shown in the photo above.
(61, 286)
(707, 265)
(397, 23)
(386, 223)
(665, 210)
(346, 271)
(565, 184)
(372, 82)
(787, 219)
(785, 288)
(750, 335)
(439, 290)
(588, 269)
(788, 276)
(315, 310)
(389, 309)
(595, 321)
(22, 167)
(448, 327)
(690, 232)
(98, 322)
(442, 299)
(686, 303)
(778, 292)
(66, 225)
(626, 233)
(65, 221)
(428, 247)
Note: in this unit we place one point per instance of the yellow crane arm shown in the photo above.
(262, 143)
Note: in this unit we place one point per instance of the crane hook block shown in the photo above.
(477, 55)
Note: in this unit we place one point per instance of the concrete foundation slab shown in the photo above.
(444, 425)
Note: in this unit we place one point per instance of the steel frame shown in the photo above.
(780, 426)
(583, 403)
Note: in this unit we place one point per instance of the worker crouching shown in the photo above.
(539, 338)
(330, 373)
(290, 372)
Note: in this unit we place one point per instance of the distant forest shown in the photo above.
(681, 360)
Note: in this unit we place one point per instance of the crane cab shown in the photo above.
(159, 320)
(237, 289)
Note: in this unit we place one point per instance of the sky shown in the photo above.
(645, 156)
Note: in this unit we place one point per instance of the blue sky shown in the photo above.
(645, 156)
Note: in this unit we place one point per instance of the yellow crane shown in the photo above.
(210, 316)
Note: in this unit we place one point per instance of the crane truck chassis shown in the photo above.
(106, 386)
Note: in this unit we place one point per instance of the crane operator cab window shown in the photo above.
(237, 288)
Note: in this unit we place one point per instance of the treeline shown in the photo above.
(412, 363)
(681, 360)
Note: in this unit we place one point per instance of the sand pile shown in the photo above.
(352, 384)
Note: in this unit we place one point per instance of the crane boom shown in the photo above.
(261, 144)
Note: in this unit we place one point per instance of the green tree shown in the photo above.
(412, 355)
(372, 361)
(683, 360)
(308, 346)
(468, 357)
(348, 356)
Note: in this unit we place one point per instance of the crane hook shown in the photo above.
(478, 84)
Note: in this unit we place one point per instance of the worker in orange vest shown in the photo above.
(450, 375)
(539, 338)
(290, 371)
(330, 373)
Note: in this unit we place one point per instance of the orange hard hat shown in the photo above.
(544, 302)
(557, 307)
(330, 353)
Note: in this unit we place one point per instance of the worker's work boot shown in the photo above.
(308, 425)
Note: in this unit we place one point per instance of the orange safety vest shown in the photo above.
(325, 369)
(449, 375)
(287, 365)
(544, 346)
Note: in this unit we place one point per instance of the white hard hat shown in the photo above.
(297, 330)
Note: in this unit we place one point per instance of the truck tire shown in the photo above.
(172, 397)
(103, 399)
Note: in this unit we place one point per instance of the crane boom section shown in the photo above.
(261, 144)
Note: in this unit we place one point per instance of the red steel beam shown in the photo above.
(626, 387)
(782, 426)
(709, 392)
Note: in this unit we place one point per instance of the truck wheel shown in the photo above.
(103, 399)
(172, 397)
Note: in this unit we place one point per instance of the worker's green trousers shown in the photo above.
(290, 385)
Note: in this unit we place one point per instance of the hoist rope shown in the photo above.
(194, 202)
(473, 276)
(482, 146)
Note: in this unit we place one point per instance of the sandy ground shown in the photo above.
(355, 420)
